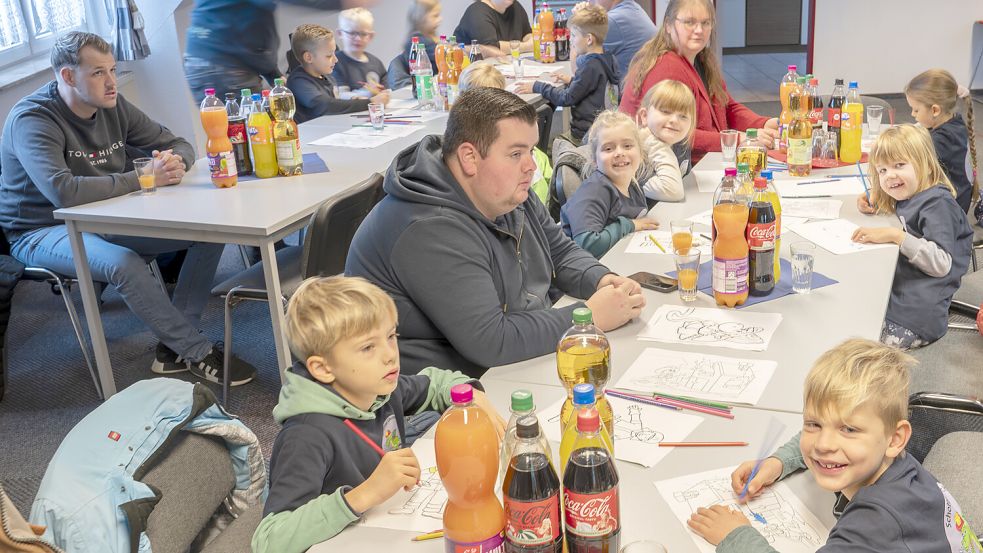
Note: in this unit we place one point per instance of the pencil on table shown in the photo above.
(701, 444)
(428, 536)
(656, 242)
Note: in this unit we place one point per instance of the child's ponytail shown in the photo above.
(968, 97)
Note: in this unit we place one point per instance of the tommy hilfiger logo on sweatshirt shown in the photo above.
(97, 157)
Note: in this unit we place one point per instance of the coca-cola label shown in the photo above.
(532, 522)
(816, 116)
(761, 236)
(730, 275)
(592, 515)
(494, 544)
(833, 117)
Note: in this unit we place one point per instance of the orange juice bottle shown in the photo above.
(536, 38)
(546, 42)
(851, 125)
(785, 118)
(260, 130)
(221, 160)
(730, 249)
(440, 56)
(467, 461)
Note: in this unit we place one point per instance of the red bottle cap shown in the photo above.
(588, 420)
(760, 183)
(266, 93)
(462, 393)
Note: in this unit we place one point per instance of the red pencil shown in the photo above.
(701, 444)
(365, 438)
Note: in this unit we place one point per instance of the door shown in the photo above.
(773, 22)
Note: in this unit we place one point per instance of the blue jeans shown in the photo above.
(202, 74)
(122, 262)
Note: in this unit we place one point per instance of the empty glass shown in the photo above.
(687, 272)
(803, 260)
(644, 546)
(831, 147)
(728, 145)
(874, 115)
(377, 114)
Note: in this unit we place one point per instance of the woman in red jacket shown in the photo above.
(683, 50)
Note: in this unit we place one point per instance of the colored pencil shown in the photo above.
(642, 399)
(706, 402)
(366, 116)
(694, 407)
(812, 196)
(428, 536)
(701, 444)
(706, 236)
(656, 242)
(863, 179)
(365, 438)
(816, 181)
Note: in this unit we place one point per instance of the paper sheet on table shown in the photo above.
(792, 188)
(403, 103)
(638, 429)
(641, 243)
(702, 218)
(419, 510)
(706, 327)
(811, 208)
(698, 375)
(530, 70)
(834, 236)
(789, 526)
(417, 115)
(366, 137)
(707, 180)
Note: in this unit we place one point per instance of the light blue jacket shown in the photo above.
(90, 485)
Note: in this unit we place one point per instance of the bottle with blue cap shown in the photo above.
(584, 399)
(851, 125)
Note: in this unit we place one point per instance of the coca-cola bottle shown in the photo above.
(237, 135)
(590, 492)
(761, 229)
(531, 491)
(562, 37)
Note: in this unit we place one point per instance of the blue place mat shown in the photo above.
(782, 288)
(312, 164)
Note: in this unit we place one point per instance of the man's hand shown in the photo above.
(615, 305)
(612, 279)
(168, 168)
(397, 469)
(715, 523)
(768, 473)
(481, 400)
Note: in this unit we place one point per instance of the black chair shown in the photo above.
(323, 253)
(544, 117)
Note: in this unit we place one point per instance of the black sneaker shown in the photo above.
(166, 361)
(210, 368)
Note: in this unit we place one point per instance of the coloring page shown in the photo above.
(720, 328)
(811, 208)
(835, 236)
(418, 510)
(819, 186)
(698, 375)
(638, 429)
(777, 513)
(649, 241)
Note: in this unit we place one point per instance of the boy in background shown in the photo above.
(346, 391)
(594, 86)
(360, 71)
(853, 440)
(311, 82)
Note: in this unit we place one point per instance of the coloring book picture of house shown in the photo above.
(720, 328)
(698, 375)
(420, 509)
(787, 524)
(638, 429)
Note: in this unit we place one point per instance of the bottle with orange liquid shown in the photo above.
(455, 62)
(440, 56)
(260, 130)
(546, 41)
(221, 159)
(536, 38)
(467, 461)
(730, 249)
(851, 125)
(785, 118)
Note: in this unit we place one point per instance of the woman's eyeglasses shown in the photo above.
(691, 24)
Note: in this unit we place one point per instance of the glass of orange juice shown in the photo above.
(687, 271)
(682, 235)
(144, 166)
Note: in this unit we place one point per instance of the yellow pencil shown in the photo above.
(428, 536)
(656, 242)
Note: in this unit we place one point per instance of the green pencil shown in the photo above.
(694, 400)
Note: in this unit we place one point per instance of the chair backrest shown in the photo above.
(568, 162)
(544, 117)
(333, 226)
(398, 72)
(934, 415)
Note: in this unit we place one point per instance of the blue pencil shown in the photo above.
(863, 179)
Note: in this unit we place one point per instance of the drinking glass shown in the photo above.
(516, 62)
(687, 272)
(682, 235)
(377, 114)
(874, 115)
(831, 147)
(144, 166)
(803, 260)
(728, 145)
(644, 546)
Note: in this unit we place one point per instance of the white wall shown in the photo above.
(909, 37)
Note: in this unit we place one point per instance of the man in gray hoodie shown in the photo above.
(69, 143)
(470, 256)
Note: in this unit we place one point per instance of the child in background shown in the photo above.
(424, 18)
(485, 74)
(311, 83)
(668, 118)
(323, 474)
(933, 96)
(853, 438)
(935, 238)
(594, 86)
(360, 71)
(610, 203)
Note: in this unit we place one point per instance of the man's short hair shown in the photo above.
(591, 20)
(475, 116)
(860, 372)
(355, 16)
(480, 74)
(307, 37)
(326, 310)
(67, 49)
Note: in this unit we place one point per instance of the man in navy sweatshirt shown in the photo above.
(68, 144)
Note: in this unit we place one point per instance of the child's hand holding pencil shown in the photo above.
(750, 478)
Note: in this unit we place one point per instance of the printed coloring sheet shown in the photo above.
(834, 235)
(698, 375)
(811, 208)
(788, 525)
(642, 243)
(720, 328)
(638, 429)
(418, 510)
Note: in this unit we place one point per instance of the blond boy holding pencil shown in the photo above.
(344, 410)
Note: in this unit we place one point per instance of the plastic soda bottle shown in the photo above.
(583, 399)
(537, 37)
(474, 53)
(816, 103)
(800, 131)
(237, 134)
(467, 461)
(592, 508)
(522, 406)
(761, 240)
(261, 139)
(531, 493)
(730, 249)
(245, 102)
(221, 160)
(833, 113)
(776, 203)
(423, 79)
(455, 58)
(785, 118)
(547, 44)
(562, 37)
(752, 153)
(851, 125)
(583, 354)
(440, 56)
(745, 182)
(266, 103)
(289, 158)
